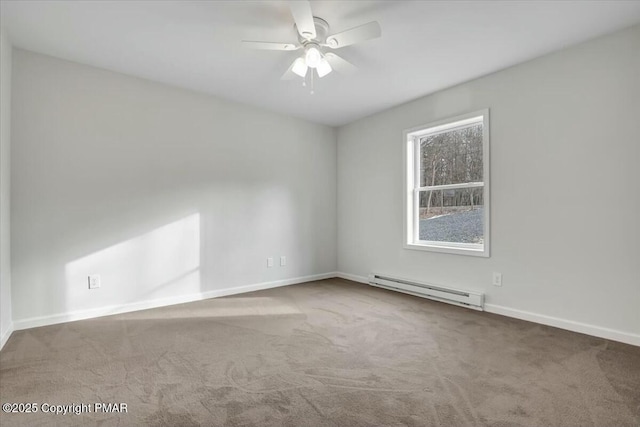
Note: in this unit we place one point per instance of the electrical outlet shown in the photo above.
(283, 261)
(270, 262)
(94, 281)
(497, 279)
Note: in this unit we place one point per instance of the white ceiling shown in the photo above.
(425, 46)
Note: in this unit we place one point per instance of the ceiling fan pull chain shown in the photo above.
(312, 73)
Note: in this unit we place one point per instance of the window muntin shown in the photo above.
(447, 186)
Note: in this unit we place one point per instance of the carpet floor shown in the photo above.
(327, 353)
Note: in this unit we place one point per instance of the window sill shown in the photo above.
(478, 250)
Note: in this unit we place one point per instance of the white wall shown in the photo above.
(5, 137)
(565, 156)
(165, 193)
(168, 193)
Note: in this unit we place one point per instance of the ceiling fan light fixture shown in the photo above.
(323, 68)
(299, 67)
(313, 42)
(312, 57)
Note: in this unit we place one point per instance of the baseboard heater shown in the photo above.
(463, 298)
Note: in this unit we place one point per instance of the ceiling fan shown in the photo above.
(314, 40)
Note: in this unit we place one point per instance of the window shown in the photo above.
(447, 185)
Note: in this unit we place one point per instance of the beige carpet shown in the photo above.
(329, 353)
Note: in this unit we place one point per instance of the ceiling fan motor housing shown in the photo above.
(322, 30)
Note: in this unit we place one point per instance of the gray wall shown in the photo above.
(161, 191)
(166, 192)
(565, 155)
(5, 143)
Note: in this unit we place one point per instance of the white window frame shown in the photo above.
(411, 168)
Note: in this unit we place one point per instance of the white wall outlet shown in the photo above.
(94, 281)
(283, 261)
(270, 262)
(497, 279)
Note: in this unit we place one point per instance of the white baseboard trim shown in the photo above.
(353, 277)
(35, 322)
(4, 337)
(597, 331)
(570, 325)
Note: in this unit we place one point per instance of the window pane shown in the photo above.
(452, 215)
(451, 157)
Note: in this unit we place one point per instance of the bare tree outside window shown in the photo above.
(452, 157)
(448, 166)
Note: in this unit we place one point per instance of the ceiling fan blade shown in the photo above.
(289, 74)
(269, 45)
(340, 65)
(364, 32)
(303, 17)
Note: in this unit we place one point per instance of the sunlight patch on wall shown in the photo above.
(161, 263)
